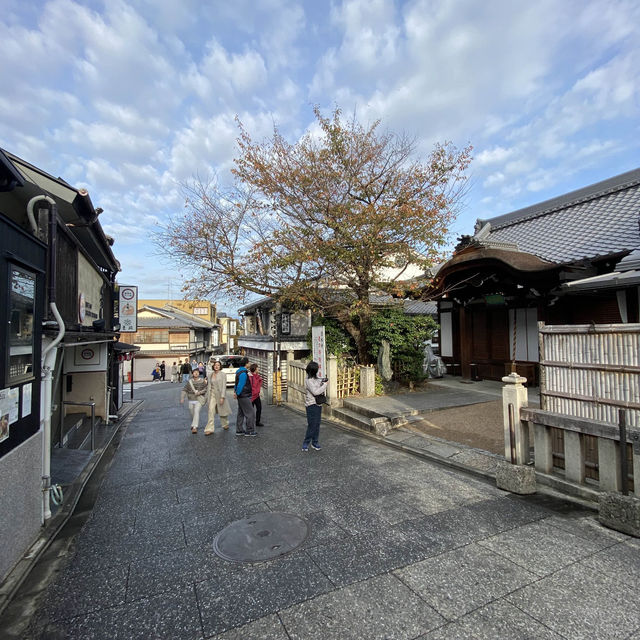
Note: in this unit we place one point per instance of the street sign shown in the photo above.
(128, 309)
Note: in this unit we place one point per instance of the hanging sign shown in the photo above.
(128, 309)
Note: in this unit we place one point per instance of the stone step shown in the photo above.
(378, 424)
(397, 419)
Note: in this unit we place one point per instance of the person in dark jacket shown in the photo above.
(242, 393)
(185, 370)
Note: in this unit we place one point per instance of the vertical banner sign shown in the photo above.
(319, 350)
(128, 309)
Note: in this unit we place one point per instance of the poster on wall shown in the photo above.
(9, 399)
(319, 349)
(26, 400)
(128, 309)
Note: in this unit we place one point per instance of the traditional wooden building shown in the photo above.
(59, 331)
(550, 262)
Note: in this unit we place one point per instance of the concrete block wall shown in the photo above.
(20, 501)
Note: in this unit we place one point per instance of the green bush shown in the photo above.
(406, 336)
(338, 341)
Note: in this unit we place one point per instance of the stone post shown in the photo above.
(514, 474)
(516, 432)
(368, 381)
(332, 374)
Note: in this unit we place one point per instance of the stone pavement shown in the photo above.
(398, 547)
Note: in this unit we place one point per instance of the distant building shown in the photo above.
(229, 333)
(170, 334)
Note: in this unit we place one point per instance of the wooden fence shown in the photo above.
(591, 371)
(348, 383)
(588, 374)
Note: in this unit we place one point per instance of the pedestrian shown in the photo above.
(195, 390)
(218, 402)
(163, 370)
(174, 372)
(202, 370)
(314, 387)
(256, 386)
(185, 370)
(242, 393)
(155, 374)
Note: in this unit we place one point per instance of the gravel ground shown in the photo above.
(477, 425)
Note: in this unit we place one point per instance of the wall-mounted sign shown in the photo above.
(91, 357)
(495, 300)
(128, 309)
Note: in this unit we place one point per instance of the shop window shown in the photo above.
(22, 288)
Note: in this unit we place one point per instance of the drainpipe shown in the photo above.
(48, 354)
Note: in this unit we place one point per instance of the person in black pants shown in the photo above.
(314, 386)
(242, 393)
(256, 385)
(163, 370)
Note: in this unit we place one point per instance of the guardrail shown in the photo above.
(93, 417)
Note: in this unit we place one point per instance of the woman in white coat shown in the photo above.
(218, 402)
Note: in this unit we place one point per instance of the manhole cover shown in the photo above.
(260, 537)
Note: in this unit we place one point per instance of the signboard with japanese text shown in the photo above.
(128, 309)
(319, 350)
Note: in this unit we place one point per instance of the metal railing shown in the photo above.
(93, 418)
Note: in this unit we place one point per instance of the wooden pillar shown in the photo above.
(466, 342)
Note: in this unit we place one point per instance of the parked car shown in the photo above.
(230, 364)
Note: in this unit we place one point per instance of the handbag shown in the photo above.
(321, 398)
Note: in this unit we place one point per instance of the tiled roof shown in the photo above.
(419, 307)
(171, 318)
(596, 221)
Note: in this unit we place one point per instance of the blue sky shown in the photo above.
(129, 99)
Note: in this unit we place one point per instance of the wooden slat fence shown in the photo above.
(587, 374)
(591, 371)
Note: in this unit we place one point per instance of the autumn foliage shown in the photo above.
(317, 223)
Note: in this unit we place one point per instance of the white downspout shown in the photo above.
(48, 363)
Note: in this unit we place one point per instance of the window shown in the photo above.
(150, 336)
(22, 290)
(200, 311)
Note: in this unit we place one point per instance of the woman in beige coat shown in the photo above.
(218, 402)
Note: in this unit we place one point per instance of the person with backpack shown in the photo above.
(242, 393)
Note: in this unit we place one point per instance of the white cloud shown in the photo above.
(493, 156)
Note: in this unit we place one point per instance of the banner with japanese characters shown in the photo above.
(319, 350)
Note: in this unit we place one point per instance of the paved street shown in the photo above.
(398, 547)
